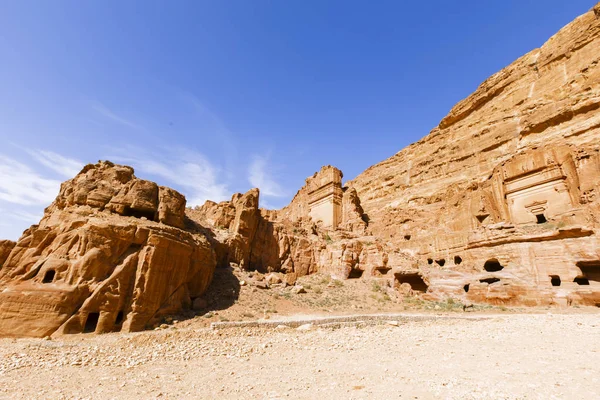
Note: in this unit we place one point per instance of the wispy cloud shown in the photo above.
(22, 185)
(109, 114)
(208, 122)
(191, 171)
(29, 217)
(67, 167)
(259, 175)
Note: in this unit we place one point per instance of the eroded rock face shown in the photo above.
(106, 186)
(99, 261)
(6, 247)
(511, 175)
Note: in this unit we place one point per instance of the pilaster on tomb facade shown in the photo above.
(325, 197)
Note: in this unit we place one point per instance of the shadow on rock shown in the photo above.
(222, 293)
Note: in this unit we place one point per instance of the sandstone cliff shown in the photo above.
(511, 176)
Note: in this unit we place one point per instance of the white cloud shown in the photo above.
(109, 114)
(191, 171)
(66, 167)
(21, 185)
(209, 122)
(259, 175)
(21, 215)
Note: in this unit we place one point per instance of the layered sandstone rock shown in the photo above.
(108, 255)
(512, 176)
(6, 247)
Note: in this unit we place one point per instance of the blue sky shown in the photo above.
(217, 97)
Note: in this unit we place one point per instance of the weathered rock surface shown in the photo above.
(510, 176)
(100, 261)
(498, 204)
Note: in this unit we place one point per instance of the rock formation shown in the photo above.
(509, 178)
(500, 203)
(108, 255)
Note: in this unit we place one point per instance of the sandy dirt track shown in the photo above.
(543, 356)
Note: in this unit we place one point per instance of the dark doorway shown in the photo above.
(49, 276)
(415, 281)
(590, 270)
(541, 218)
(457, 260)
(119, 319)
(355, 274)
(466, 288)
(91, 322)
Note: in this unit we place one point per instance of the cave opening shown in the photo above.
(355, 273)
(137, 213)
(440, 262)
(415, 281)
(457, 260)
(582, 281)
(91, 322)
(466, 288)
(492, 265)
(590, 270)
(430, 261)
(555, 280)
(49, 276)
(541, 218)
(119, 319)
(407, 237)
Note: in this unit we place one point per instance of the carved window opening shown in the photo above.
(489, 281)
(130, 212)
(457, 260)
(355, 274)
(555, 280)
(492, 265)
(541, 218)
(440, 262)
(415, 281)
(430, 261)
(49, 276)
(91, 322)
(466, 288)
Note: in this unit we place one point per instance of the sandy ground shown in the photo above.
(482, 356)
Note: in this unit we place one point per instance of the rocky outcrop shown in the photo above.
(107, 255)
(511, 176)
(6, 247)
(106, 186)
(353, 215)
